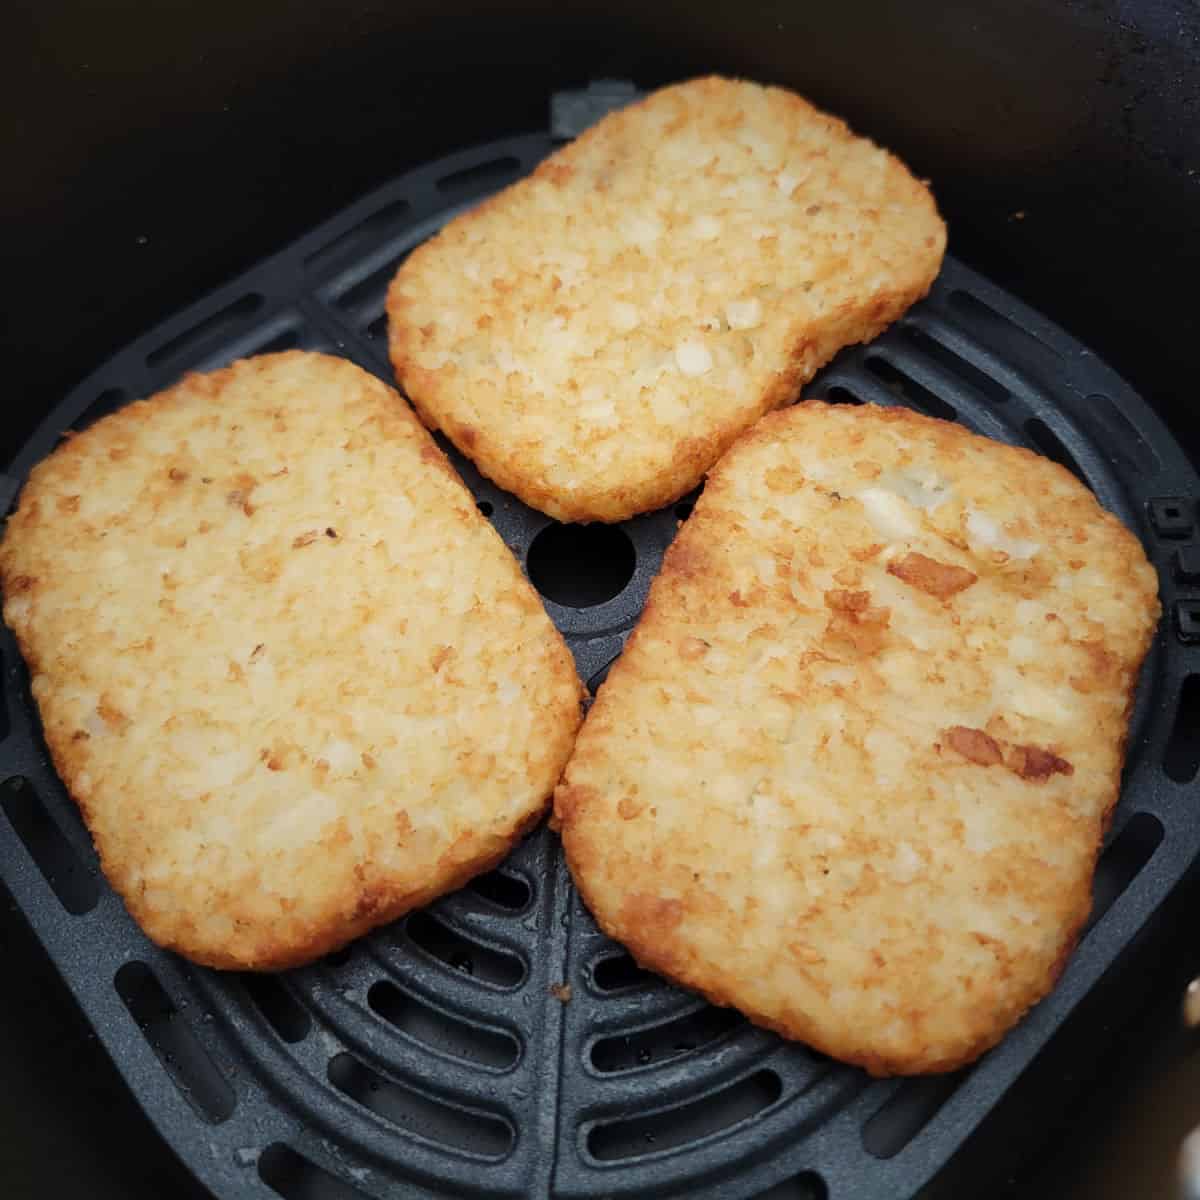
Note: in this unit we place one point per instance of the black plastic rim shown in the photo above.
(496, 1043)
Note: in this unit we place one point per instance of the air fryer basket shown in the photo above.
(496, 1043)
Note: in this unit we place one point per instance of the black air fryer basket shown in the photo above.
(496, 1043)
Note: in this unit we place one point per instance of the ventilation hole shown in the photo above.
(486, 507)
(368, 293)
(70, 880)
(362, 237)
(193, 339)
(908, 391)
(507, 891)
(289, 339)
(339, 958)
(1005, 335)
(378, 327)
(283, 1012)
(665, 1042)
(579, 566)
(808, 1185)
(619, 971)
(174, 1044)
(1047, 442)
(931, 348)
(107, 402)
(470, 958)
(474, 1043)
(471, 1131)
(911, 1107)
(1127, 443)
(842, 395)
(593, 684)
(483, 177)
(1121, 861)
(1182, 757)
(688, 1122)
(295, 1178)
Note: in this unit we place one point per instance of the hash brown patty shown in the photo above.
(595, 336)
(852, 771)
(294, 680)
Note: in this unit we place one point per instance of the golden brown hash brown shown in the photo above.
(596, 335)
(295, 682)
(852, 771)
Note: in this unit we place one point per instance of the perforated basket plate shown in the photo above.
(496, 1043)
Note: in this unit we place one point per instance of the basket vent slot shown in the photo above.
(506, 891)
(1009, 339)
(474, 1043)
(1123, 438)
(339, 958)
(360, 238)
(1182, 757)
(616, 972)
(69, 878)
(687, 503)
(483, 177)
(288, 339)
(1121, 861)
(1048, 443)
(366, 297)
(281, 1009)
(908, 391)
(192, 342)
(674, 1127)
(107, 402)
(840, 394)
(182, 1056)
(295, 1178)
(929, 347)
(808, 1185)
(662, 1043)
(909, 1109)
(485, 963)
(470, 1131)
